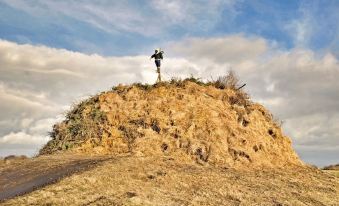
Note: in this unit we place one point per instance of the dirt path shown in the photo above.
(24, 176)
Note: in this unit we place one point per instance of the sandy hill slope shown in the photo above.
(174, 143)
(187, 120)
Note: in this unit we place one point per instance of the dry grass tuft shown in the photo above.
(230, 81)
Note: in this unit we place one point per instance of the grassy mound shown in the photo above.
(189, 120)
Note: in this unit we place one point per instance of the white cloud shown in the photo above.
(203, 14)
(23, 138)
(228, 49)
(300, 30)
(43, 125)
(24, 97)
(26, 122)
(147, 18)
(30, 138)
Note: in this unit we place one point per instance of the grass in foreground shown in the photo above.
(164, 181)
(332, 172)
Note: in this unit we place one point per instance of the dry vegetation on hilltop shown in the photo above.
(212, 122)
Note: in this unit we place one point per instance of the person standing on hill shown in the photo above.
(158, 56)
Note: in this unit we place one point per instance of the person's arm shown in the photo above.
(153, 56)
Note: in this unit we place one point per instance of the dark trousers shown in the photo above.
(157, 62)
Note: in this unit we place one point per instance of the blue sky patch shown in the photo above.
(132, 27)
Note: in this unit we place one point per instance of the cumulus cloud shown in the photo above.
(229, 49)
(22, 138)
(298, 85)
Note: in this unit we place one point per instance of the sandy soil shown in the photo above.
(165, 181)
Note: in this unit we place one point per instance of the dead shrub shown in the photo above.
(181, 83)
(193, 79)
(145, 87)
(240, 98)
(230, 81)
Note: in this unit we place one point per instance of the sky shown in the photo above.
(55, 53)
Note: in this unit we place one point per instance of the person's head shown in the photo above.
(156, 51)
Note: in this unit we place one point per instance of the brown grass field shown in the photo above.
(132, 180)
(332, 172)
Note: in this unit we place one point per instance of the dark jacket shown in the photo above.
(158, 55)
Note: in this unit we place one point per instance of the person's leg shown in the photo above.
(157, 62)
(159, 75)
